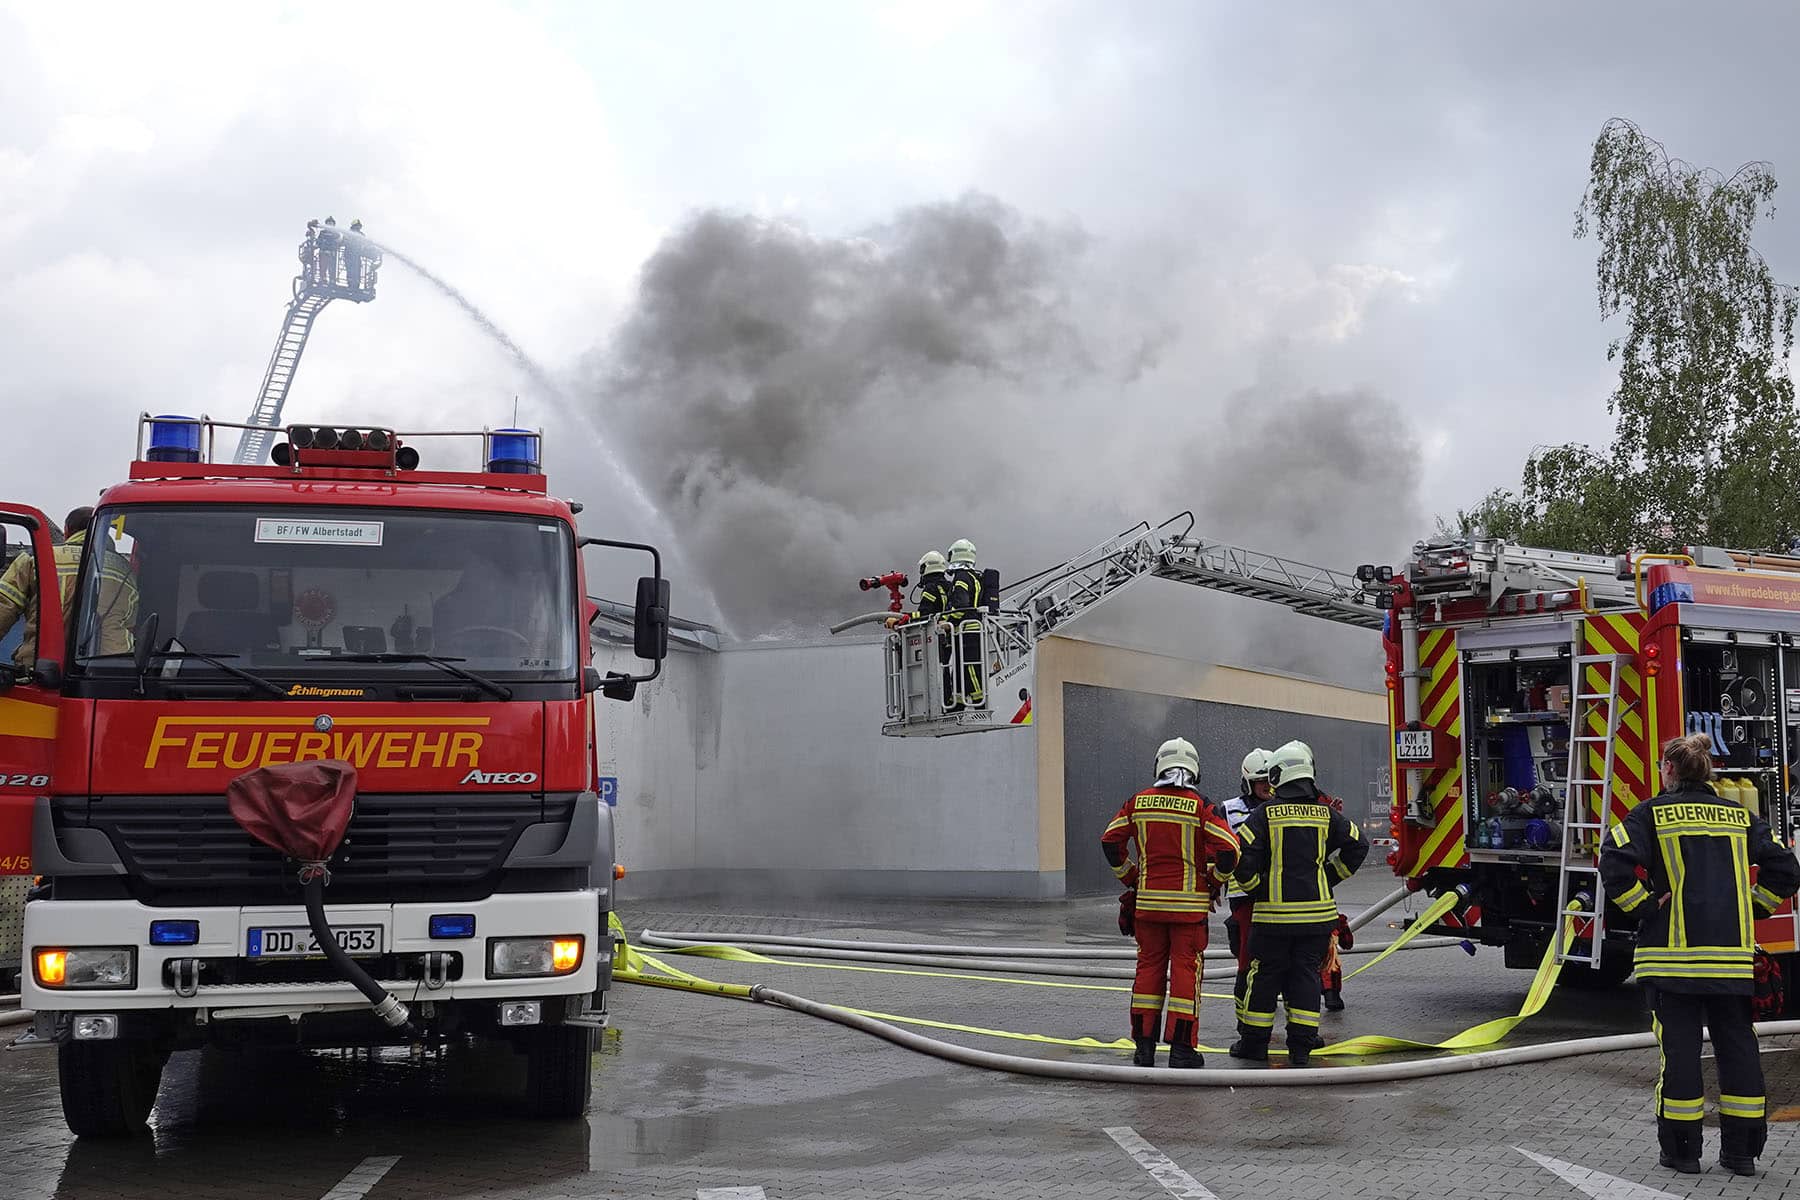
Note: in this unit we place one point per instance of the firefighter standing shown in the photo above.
(1253, 790)
(1296, 848)
(1681, 864)
(328, 242)
(1185, 848)
(356, 248)
(118, 596)
(966, 600)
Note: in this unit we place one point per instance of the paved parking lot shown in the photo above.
(701, 1097)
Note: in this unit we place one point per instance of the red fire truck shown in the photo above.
(1531, 693)
(425, 626)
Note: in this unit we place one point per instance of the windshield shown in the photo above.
(299, 590)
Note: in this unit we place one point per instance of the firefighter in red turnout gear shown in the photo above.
(1185, 851)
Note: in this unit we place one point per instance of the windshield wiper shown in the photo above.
(447, 665)
(267, 685)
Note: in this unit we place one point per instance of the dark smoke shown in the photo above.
(822, 408)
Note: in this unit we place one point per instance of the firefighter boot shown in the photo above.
(1253, 1049)
(1301, 1046)
(1332, 999)
(1145, 1055)
(1182, 1055)
(1680, 1143)
(1739, 1143)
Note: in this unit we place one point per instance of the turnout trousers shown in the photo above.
(1284, 964)
(1680, 1094)
(1237, 938)
(1168, 963)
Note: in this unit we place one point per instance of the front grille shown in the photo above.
(250, 972)
(188, 850)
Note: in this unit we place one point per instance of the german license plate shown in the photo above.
(297, 941)
(1414, 745)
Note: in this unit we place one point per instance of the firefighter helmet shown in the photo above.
(962, 553)
(1178, 752)
(931, 562)
(1290, 763)
(1256, 767)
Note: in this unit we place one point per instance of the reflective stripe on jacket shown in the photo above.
(1185, 849)
(1695, 900)
(1296, 848)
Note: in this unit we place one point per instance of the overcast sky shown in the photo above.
(1369, 200)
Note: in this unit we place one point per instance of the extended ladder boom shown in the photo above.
(265, 417)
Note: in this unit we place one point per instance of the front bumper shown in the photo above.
(224, 933)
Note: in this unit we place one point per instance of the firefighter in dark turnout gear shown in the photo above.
(1680, 864)
(1254, 790)
(933, 601)
(966, 600)
(1185, 850)
(1295, 849)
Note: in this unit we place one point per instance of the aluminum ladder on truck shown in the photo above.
(265, 418)
(1587, 803)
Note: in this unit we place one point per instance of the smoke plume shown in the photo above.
(821, 408)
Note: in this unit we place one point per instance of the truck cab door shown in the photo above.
(29, 691)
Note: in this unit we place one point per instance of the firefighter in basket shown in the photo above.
(1680, 864)
(966, 600)
(933, 601)
(1295, 850)
(1185, 850)
(1253, 790)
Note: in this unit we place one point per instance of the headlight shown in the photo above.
(86, 967)
(516, 958)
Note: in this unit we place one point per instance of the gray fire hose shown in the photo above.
(865, 619)
(1018, 1064)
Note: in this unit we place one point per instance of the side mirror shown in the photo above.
(650, 621)
(649, 625)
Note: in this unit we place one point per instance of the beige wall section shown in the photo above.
(1065, 660)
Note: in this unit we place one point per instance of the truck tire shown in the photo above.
(108, 1088)
(559, 1077)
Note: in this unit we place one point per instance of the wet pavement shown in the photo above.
(714, 1098)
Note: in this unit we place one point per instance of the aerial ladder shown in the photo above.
(926, 671)
(322, 279)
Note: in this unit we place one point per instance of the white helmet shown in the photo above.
(1256, 767)
(962, 553)
(931, 562)
(1291, 763)
(1178, 752)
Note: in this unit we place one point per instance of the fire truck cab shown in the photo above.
(426, 627)
(1531, 693)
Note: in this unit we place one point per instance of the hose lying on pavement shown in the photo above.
(18, 1016)
(1026, 960)
(1017, 1064)
(799, 947)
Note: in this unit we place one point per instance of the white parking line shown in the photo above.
(1162, 1168)
(730, 1193)
(367, 1174)
(1597, 1185)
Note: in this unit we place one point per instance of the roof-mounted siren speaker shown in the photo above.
(173, 439)
(512, 452)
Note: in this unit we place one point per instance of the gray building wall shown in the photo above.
(761, 769)
(1109, 746)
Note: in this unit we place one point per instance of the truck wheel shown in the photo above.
(108, 1088)
(1615, 968)
(559, 1070)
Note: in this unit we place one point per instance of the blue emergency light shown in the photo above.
(453, 925)
(174, 933)
(513, 452)
(174, 438)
